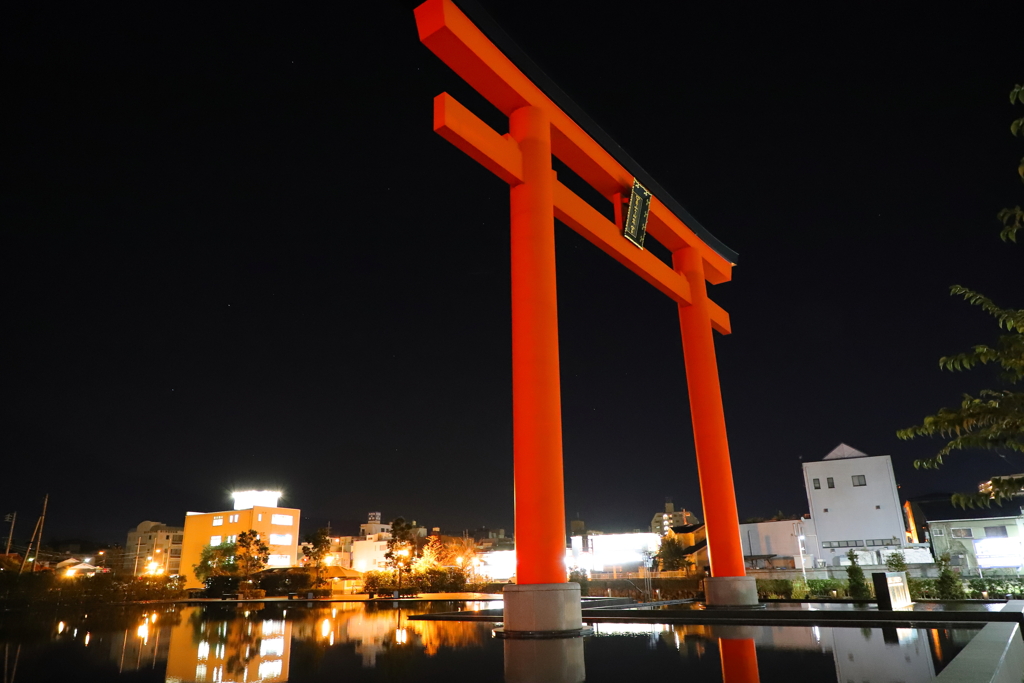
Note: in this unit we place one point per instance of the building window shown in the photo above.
(881, 541)
(215, 540)
(218, 520)
(843, 544)
(825, 510)
(176, 539)
(817, 483)
(961, 533)
(175, 552)
(259, 516)
(280, 539)
(231, 538)
(831, 482)
(279, 560)
(281, 520)
(878, 507)
(938, 532)
(859, 480)
(232, 519)
(995, 531)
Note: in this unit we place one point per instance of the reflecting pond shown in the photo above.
(362, 641)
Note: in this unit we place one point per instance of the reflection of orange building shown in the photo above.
(236, 650)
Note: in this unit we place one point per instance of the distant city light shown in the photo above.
(246, 500)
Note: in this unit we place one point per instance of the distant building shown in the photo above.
(663, 521)
(374, 526)
(153, 548)
(855, 505)
(278, 528)
(977, 539)
(781, 544)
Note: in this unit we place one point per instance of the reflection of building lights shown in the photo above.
(331, 640)
(88, 637)
(401, 636)
(153, 618)
(325, 627)
(60, 627)
(203, 651)
(272, 647)
(143, 631)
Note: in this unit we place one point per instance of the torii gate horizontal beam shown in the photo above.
(450, 35)
(500, 155)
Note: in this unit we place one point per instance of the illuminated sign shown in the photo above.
(998, 552)
(246, 500)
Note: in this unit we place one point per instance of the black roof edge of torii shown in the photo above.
(508, 46)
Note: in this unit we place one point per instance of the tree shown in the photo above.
(896, 561)
(251, 555)
(994, 419)
(855, 578)
(948, 584)
(216, 560)
(318, 546)
(671, 555)
(401, 547)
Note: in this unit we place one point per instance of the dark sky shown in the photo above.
(236, 255)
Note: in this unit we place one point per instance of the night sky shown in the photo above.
(236, 255)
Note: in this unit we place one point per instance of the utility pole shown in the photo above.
(36, 532)
(10, 534)
(135, 571)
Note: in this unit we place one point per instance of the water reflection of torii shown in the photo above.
(539, 128)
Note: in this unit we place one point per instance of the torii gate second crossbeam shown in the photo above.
(538, 129)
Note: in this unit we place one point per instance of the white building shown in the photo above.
(663, 521)
(153, 548)
(855, 506)
(786, 544)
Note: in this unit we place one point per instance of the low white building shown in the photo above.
(855, 505)
(781, 544)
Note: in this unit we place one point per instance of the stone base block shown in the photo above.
(731, 592)
(542, 607)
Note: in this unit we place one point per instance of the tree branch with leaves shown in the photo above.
(994, 419)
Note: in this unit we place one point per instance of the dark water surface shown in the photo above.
(357, 641)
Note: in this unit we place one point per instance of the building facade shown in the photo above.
(663, 521)
(855, 505)
(277, 527)
(153, 548)
(779, 544)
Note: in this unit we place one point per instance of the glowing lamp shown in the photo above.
(246, 500)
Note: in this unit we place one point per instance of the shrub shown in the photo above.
(800, 590)
(855, 578)
(922, 589)
(822, 588)
(896, 561)
(949, 584)
(774, 588)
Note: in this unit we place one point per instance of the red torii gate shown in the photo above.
(539, 128)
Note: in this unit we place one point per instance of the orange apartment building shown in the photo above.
(278, 527)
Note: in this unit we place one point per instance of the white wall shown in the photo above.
(780, 538)
(854, 512)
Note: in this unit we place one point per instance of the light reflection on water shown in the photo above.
(284, 641)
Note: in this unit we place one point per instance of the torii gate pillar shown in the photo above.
(542, 600)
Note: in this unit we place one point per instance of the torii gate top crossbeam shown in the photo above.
(450, 34)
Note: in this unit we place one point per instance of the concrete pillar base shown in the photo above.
(731, 592)
(542, 610)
